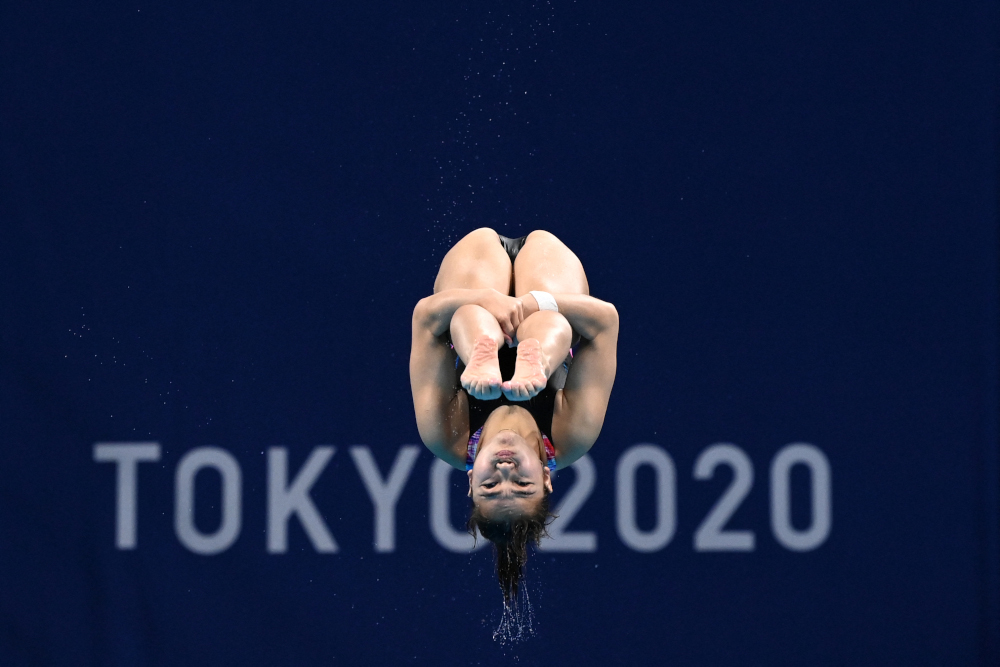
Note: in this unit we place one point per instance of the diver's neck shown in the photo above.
(513, 418)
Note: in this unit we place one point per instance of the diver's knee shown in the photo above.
(542, 235)
(483, 234)
(548, 321)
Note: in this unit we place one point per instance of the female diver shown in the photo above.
(494, 295)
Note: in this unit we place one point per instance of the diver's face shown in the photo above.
(508, 478)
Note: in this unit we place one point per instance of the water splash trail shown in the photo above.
(517, 620)
(488, 142)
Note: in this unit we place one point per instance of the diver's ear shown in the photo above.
(470, 483)
(546, 479)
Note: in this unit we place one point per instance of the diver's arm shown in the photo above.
(434, 312)
(588, 316)
(583, 402)
(441, 409)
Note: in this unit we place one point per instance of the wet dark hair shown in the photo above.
(510, 541)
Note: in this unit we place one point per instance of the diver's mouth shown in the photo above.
(505, 454)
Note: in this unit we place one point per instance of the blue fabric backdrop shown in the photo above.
(215, 219)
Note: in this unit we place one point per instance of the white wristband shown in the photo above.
(545, 301)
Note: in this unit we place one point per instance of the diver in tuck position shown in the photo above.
(494, 295)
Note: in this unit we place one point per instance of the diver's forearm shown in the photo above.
(434, 312)
(587, 315)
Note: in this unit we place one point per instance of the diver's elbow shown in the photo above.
(422, 313)
(609, 317)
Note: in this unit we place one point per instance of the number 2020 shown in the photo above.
(711, 534)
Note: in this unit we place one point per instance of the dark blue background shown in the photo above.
(215, 219)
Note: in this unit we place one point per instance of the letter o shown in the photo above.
(457, 541)
(781, 512)
(666, 497)
(189, 466)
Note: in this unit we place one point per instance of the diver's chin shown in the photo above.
(506, 436)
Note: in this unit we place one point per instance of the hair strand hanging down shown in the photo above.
(510, 542)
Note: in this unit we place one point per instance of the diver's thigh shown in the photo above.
(478, 261)
(546, 264)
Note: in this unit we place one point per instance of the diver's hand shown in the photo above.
(508, 311)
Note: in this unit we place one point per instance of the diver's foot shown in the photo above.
(481, 378)
(529, 372)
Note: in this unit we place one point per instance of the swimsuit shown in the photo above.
(512, 246)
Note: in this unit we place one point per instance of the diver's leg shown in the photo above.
(546, 264)
(477, 337)
(544, 339)
(478, 261)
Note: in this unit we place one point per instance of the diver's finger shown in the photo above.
(506, 327)
(516, 318)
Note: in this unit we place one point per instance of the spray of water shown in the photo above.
(517, 620)
(488, 141)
